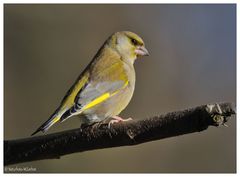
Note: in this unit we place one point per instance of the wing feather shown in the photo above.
(103, 82)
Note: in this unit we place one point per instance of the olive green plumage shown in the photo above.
(107, 84)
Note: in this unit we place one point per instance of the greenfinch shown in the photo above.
(107, 84)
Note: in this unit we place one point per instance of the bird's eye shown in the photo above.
(134, 41)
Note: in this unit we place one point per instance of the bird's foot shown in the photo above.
(93, 126)
(117, 119)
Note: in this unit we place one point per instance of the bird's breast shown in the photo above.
(130, 72)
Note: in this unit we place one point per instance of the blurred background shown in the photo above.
(192, 62)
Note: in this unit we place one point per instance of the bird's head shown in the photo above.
(129, 45)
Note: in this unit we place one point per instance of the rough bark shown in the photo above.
(121, 134)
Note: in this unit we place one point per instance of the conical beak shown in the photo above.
(142, 51)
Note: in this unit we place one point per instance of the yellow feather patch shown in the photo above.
(102, 98)
(97, 101)
(71, 97)
(56, 119)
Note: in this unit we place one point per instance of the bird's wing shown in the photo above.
(67, 102)
(99, 88)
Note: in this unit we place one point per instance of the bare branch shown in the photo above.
(122, 134)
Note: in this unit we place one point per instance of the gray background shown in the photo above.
(192, 62)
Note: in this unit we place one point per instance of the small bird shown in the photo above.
(106, 86)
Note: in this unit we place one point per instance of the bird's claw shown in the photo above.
(117, 119)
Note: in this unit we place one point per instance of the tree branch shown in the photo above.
(122, 134)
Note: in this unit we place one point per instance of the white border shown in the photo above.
(121, 1)
(112, 2)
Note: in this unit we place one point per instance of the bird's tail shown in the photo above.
(52, 120)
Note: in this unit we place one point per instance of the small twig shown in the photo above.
(122, 134)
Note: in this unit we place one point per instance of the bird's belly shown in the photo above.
(111, 107)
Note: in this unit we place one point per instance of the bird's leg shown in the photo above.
(117, 119)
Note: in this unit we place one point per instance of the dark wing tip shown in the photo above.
(38, 130)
